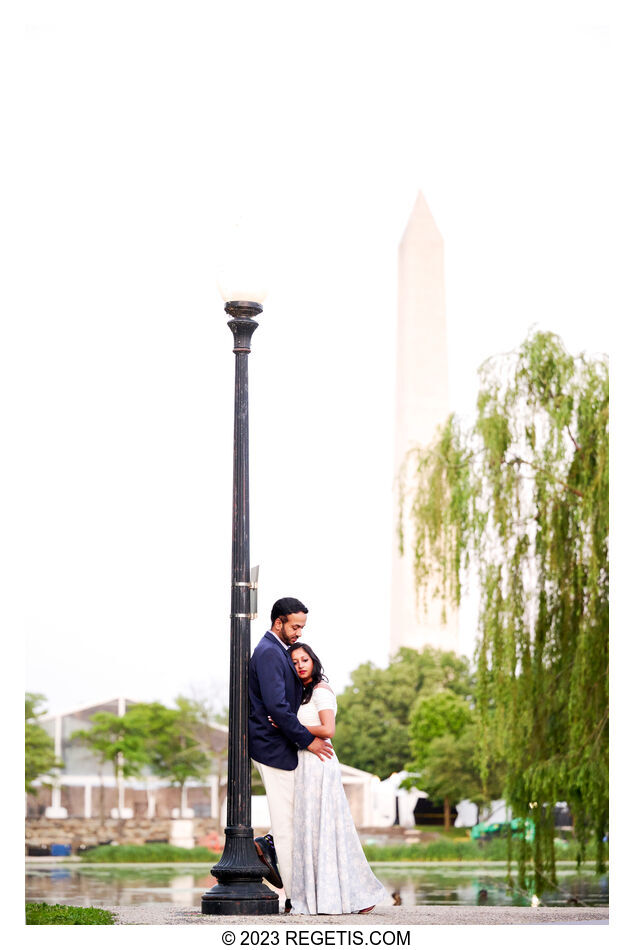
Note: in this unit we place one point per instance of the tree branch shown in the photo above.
(574, 442)
(543, 471)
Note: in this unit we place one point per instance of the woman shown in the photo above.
(330, 872)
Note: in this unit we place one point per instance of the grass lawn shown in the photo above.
(63, 914)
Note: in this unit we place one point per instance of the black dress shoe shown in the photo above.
(287, 906)
(266, 852)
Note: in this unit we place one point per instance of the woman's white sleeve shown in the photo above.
(324, 699)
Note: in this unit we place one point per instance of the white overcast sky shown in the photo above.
(142, 130)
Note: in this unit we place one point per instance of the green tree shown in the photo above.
(178, 744)
(374, 710)
(39, 748)
(451, 771)
(523, 496)
(440, 719)
(120, 740)
(213, 717)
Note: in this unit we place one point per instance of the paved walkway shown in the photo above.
(388, 916)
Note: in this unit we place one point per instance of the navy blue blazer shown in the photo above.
(275, 690)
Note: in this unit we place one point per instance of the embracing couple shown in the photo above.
(313, 852)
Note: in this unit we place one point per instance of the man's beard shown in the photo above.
(285, 637)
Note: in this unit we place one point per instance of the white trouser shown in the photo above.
(279, 785)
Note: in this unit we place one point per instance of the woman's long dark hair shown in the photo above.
(318, 671)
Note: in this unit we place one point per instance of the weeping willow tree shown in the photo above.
(521, 499)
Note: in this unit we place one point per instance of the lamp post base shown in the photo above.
(240, 898)
(240, 889)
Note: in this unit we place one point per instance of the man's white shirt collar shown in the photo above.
(285, 645)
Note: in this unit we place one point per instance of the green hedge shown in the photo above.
(164, 853)
(441, 850)
(445, 849)
(63, 914)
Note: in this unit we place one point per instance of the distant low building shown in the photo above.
(87, 788)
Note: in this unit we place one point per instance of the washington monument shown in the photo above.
(422, 404)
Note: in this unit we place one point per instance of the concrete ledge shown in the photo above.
(388, 916)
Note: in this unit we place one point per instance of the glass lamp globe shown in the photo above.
(242, 269)
(241, 287)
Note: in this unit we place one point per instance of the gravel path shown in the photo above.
(389, 916)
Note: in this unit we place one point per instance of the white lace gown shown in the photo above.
(330, 871)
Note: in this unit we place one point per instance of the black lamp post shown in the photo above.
(240, 889)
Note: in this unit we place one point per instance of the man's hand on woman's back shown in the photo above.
(321, 748)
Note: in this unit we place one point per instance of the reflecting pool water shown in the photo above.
(447, 883)
(462, 884)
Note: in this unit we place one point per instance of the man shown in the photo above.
(275, 733)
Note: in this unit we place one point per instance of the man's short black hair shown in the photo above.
(286, 606)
